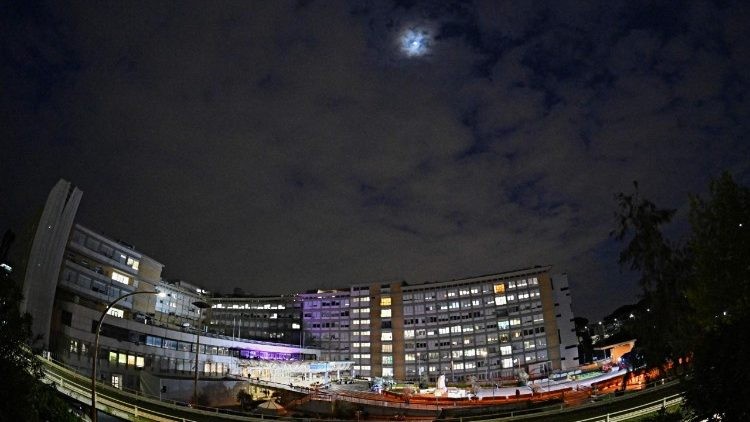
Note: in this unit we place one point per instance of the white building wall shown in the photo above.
(46, 256)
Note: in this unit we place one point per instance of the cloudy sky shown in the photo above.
(281, 146)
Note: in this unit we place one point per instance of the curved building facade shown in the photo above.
(491, 327)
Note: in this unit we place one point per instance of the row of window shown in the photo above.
(88, 283)
(105, 249)
(247, 306)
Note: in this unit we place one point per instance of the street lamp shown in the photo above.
(201, 306)
(96, 346)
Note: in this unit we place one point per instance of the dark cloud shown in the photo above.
(283, 146)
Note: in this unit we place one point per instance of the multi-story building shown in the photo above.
(328, 322)
(490, 327)
(74, 272)
(268, 318)
(493, 326)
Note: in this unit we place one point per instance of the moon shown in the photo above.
(415, 42)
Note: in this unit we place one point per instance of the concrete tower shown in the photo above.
(46, 257)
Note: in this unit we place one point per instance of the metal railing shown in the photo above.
(639, 411)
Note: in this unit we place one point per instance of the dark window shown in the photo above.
(66, 318)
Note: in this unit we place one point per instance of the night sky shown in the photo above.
(282, 146)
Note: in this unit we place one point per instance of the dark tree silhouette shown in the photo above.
(24, 396)
(698, 294)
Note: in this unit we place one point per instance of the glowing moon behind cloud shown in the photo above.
(415, 42)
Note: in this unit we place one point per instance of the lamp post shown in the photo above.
(96, 346)
(201, 306)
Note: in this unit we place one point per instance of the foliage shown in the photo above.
(719, 295)
(720, 245)
(697, 294)
(585, 345)
(26, 397)
(666, 334)
(718, 389)
(245, 399)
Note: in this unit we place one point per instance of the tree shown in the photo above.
(719, 295)
(24, 396)
(720, 245)
(245, 399)
(585, 345)
(666, 334)
(698, 293)
(718, 389)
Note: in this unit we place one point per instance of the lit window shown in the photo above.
(505, 350)
(386, 336)
(122, 278)
(385, 301)
(133, 263)
(131, 360)
(139, 362)
(117, 313)
(408, 333)
(507, 363)
(122, 359)
(387, 348)
(387, 359)
(500, 300)
(500, 288)
(385, 313)
(295, 326)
